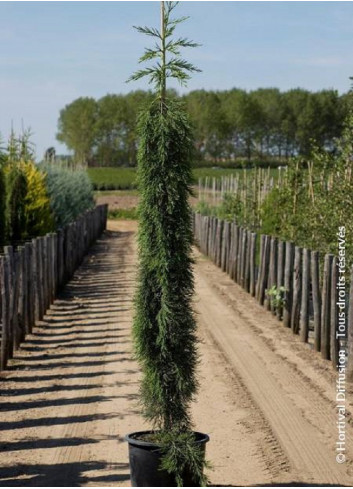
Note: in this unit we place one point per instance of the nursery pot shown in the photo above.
(145, 459)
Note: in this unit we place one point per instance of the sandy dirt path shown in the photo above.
(290, 389)
(70, 394)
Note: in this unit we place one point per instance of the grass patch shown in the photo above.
(116, 193)
(221, 172)
(123, 214)
(111, 179)
(241, 163)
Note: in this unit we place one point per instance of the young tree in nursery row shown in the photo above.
(164, 325)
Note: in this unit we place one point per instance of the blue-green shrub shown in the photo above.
(70, 192)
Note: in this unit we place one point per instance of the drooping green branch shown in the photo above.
(165, 67)
(164, 328)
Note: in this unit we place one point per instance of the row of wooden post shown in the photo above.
(32, 274)
(259, 263)
(245, 183)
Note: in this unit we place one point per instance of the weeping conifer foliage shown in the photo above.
(164, 323)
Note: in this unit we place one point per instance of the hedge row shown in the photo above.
(37, 199)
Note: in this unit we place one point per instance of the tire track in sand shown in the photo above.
(275, 387)
(70, 394)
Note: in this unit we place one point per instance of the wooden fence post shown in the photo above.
(230, 259)
(45, 273)
(55, 262)
(22, 307)
(325, 309)
(280, 274)
(31, 275)
(219, 242)
(272, 276)
(335, 343)
(288, 284)
(316, 292)
(17, 326)
(225, 246)
(29, 290)
(60, 258)
(12, 317)
(5, 301)
(304, 311)
(239, 262)
(35, 280)
(253, 242)
(41, 278)
(214, 238)
(236, 245)
(297, 286)
(246, 284)
(264, 269)
(210, 236)
(207, 224)
(257, 291)
(350, 332)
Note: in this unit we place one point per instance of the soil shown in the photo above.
(125, 199)
(71, 392)
(118, 200)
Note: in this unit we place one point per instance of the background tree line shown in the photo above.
(264, 124)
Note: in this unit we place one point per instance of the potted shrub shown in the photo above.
(164, 329)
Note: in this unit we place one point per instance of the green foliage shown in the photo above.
(237, 163)
(112, 178)
(230, 208)
(174, 67)
(125, 178)
(164, 326)
(24, 192)
(70, 192)
(16, 192)
(181, 455)
(36, 202)
(28, 212)
(313, 200)
(250, 126)
(76, 125)
(276, 216)
(276, 295)
(38, 214)
(19, 148)
(123, 214)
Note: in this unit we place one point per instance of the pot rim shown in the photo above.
(201, 438)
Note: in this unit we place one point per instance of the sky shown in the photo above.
(54, 52)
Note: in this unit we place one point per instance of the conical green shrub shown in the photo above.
(16, 186)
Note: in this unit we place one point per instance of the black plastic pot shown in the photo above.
(145, 459)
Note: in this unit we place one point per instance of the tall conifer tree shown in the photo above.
(164, 324)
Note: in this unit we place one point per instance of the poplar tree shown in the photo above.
(164, 324)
